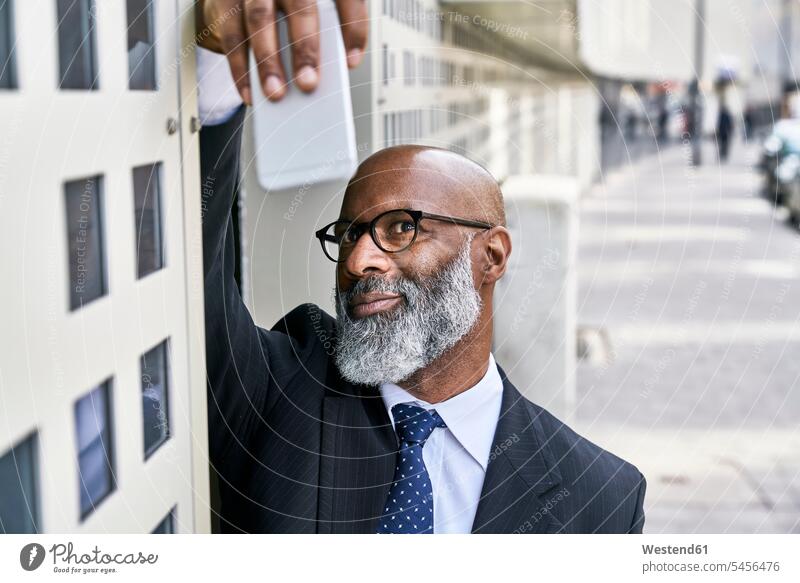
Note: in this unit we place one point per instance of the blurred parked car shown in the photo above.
(780, 160)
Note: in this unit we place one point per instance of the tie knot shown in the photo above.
(415, 424)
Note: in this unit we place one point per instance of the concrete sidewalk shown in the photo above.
(689, 303)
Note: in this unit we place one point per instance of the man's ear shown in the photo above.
(496, 249)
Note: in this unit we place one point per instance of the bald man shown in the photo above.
(392, 417)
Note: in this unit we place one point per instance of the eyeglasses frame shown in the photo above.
(417, 215)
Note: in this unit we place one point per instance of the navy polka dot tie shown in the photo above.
(409, 506)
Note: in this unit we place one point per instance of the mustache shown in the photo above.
(402, 286)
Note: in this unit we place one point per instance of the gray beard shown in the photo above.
(387, 348)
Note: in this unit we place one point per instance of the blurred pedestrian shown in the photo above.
(724, 131)
(748, 122)
(663, 118)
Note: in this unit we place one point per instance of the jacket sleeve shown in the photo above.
(237, 351)
(637, 524)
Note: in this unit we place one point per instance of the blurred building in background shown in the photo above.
(645, 56)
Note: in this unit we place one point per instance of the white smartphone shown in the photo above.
(307, 138)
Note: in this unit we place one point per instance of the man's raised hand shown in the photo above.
(232, 27)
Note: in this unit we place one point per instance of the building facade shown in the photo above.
(102, 379)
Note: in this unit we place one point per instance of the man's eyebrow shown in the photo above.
(346, 219)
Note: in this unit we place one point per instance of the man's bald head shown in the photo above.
(427, 178)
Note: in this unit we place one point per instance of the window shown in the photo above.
(166, 526)
(141, 48)
(87, 279)
(18, 483)
(409, 68)
(8, 71)
(147, 214)
(385, 63)
(76, 44)
(154, 366)
(95, 447)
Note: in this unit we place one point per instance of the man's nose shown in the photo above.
(366, 258)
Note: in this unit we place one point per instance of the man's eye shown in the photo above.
(351, 235)
(401, 227)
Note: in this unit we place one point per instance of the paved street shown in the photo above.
(689, 303)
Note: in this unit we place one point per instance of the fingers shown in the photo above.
(204, 34)
(234, 43)
(251, 24)
(355, 29)
(263, 36)
(303, 21)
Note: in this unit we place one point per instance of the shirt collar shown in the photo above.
(471, 416)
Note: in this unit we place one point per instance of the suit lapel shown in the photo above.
(357, 467)
(520, 474)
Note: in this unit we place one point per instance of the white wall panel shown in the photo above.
(50, 356)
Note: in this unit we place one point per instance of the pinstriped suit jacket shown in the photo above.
(298, 449)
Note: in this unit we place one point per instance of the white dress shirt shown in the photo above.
(456, 457)
(217, 97)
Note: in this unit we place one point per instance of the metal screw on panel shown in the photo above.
(172, 125)
(194, 125)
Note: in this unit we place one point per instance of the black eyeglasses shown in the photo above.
(392, 232)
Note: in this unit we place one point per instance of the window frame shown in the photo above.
(150, 451)
(9, 67)
(109, 448)
(101, 241)
(172, 517)
(33, 498)
(152, 52)
(161, 251)
(90, 36)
